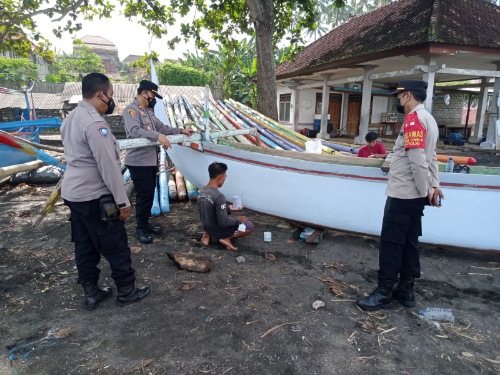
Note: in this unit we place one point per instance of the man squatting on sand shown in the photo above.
(413, 183)
(214, 214)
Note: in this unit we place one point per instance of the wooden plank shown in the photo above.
(323, 158)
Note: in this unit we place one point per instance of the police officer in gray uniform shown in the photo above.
(413, 183)
(93, 190)
(140, 122)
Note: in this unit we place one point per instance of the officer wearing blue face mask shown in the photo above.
(140, 122)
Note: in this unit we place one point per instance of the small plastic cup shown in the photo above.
(267, 236)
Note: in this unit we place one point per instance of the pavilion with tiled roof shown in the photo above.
(433, 40)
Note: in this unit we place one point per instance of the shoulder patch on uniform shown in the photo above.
(104, 131)
(223, 206)
(132, 112)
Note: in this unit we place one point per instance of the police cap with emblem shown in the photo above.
(150, 86)
(411, 85)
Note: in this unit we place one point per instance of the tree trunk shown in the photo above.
(263, 18)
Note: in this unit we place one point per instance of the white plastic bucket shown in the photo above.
(314, 146)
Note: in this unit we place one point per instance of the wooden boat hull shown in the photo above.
(13, 156)
(314, 189)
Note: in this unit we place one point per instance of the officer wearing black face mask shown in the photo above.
(140, 122)
(93, 190)
(413, 184)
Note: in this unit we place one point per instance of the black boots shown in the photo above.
(129, 294)
(143, 236)
(126, 294)
(94, 295)
(380, 298)
(404, 291)
(155, 229)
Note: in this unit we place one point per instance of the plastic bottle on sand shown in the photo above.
(436, 313)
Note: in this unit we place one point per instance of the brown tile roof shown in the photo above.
(402, 24)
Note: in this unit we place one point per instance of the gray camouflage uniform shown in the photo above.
(142, 123)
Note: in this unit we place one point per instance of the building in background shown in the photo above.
(106, 50)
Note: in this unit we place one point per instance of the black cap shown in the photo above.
(150, 86)
(411, 85)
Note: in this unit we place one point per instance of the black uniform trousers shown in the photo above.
(144, 184)
(399, 248)
(93, 238)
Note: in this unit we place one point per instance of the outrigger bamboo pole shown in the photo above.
(220, 117)
(277, 128)
(18, 168)
(235, 124)
(181, 138)
(45, 147)
(49, 204)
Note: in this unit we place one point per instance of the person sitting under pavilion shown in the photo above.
(372, 149)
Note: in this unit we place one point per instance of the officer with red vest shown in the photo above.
(413, 184)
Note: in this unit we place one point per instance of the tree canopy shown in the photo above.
(17, 71)
(268, 21)
(73, 67)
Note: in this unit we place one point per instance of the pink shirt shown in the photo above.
(365, 151)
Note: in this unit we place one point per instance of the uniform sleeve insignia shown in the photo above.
(104, 131)
(223, 206)
(132, 112)
(414, 132)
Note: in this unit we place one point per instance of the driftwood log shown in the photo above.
(191, 262)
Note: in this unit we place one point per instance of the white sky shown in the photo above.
(129, 37)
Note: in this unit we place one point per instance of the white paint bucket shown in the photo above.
(267, 236)
(237, 203)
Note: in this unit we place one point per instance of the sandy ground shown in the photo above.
(254, 317)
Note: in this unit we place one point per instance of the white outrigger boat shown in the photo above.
(324, 191)
(336, 192)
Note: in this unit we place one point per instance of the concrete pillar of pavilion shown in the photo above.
(493, 136)
(324, 106)
(429, 77)
(295, 108)
(366, 99)
(481, 111)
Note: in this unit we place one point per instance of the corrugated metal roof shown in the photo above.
(40, 101)
(123, 95)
